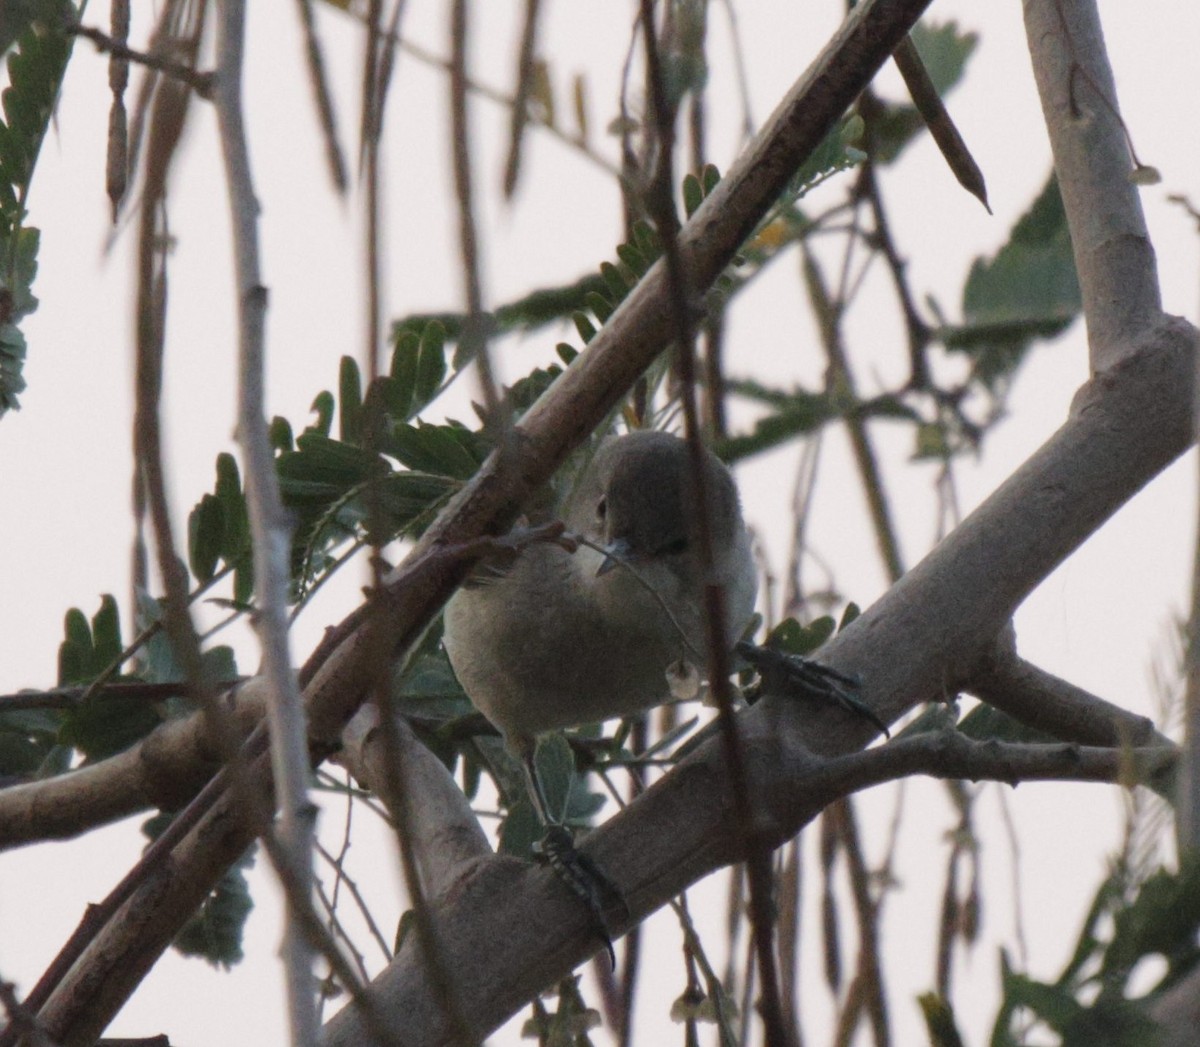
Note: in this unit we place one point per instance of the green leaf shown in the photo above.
(584, 327)
(520, 830)
(1053, 1005)
(235, 539)
(987, 723)
(556, 771)
(444, 450)
(520, 396)
(325, 468)
(836, 152)
(280, 434)
(219, 528)
(106, 632)
(350, 398)
(206, 529)
(693, 194)
(35, 71)
(615, 281)
(932, 442)
(320, 483)
(936, 716)
(219, 663)
(797, 412)
(403, 373)
(12, 360)
(27, 738)
(944, 50)
(939, 1020)
(159, 663)
(600, 306)
(1088, 944)
(791, 637)
(646, 240)
(1163, 919)
(417, 372)
(634, 260)
(88, 648)
(106, 725)
(21, 268)
(16, 301)
(431, 367)
(323, 405)
(214, 932)
(582, 803)
(408, 500)
(429, 689)
(1028, 290)
(535, 310)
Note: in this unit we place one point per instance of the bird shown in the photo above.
(555, 638)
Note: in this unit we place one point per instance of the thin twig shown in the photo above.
(491, 94)
(321, 95)
(869, 976)
(271, 535)
(339, 932)
(520, 106)
(841, 381)
(660, 204)
(474, 335)
(201, 83)
(691, 936)
(337, 863)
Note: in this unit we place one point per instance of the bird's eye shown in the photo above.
(602, 509)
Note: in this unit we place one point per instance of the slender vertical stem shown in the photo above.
(660, 204)
(268, 525)
(474, 336)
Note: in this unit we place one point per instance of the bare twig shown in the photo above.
(475, 335)
(870, 994)
(660, 204)
(427, 57)
(324, 100)
(73, 697)
(201, 83)
(269, 530)
(337, 863)
(521, 97)
(841, 381)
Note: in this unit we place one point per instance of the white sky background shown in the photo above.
(65, 524)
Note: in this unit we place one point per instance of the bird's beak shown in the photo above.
(614, 553)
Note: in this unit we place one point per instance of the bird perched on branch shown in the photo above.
(556, 639)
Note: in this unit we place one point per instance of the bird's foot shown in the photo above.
(585, 878)
(806, 678)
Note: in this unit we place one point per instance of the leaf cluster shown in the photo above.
(35, 71)
(1091, 1002)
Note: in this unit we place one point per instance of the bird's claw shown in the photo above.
(807, 678)
(585, 878)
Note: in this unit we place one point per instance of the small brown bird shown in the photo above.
(560, 639)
